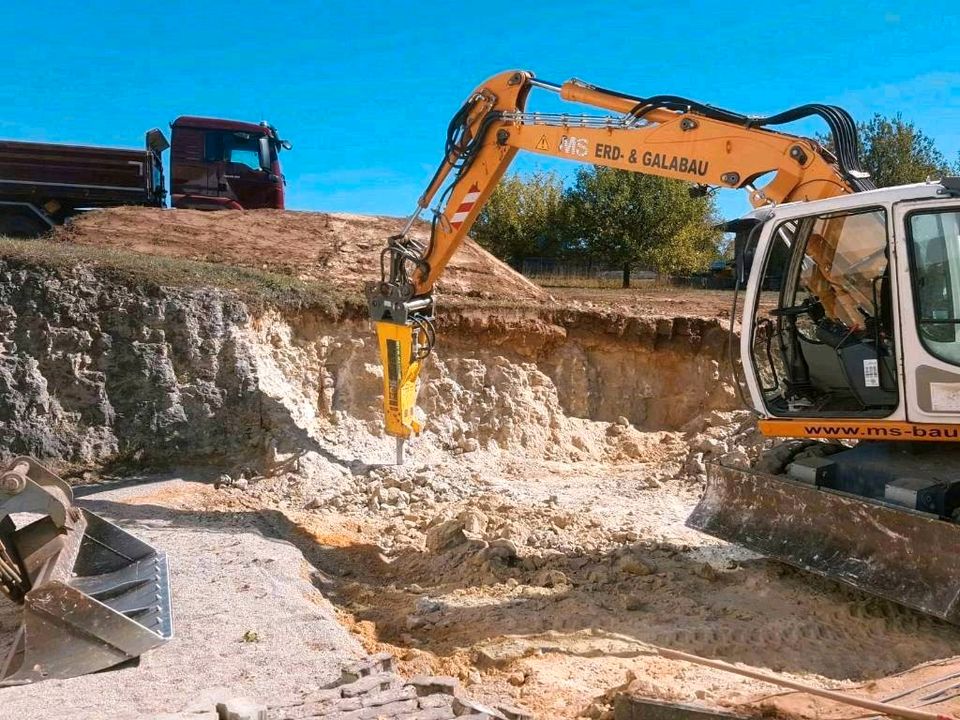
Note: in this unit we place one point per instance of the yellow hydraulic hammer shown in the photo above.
(401, 356)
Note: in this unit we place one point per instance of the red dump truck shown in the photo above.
(214, 164)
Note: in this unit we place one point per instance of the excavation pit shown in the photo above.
(537, 532)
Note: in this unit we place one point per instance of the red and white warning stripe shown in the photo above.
(466, 205)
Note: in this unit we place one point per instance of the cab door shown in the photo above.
(928, 251)
(243, 177)
(823, 337)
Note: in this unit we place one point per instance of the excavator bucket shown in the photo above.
(91, 595)
(893, 552)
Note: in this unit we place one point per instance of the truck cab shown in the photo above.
(225, 165)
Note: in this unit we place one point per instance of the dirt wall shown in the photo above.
(95, 369)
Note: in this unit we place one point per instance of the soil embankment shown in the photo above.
(334, 248)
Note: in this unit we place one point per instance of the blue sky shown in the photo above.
(365, 90)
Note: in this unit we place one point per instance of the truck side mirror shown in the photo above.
(266, 159)
(156, 141)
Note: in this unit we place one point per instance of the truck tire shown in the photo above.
(22, 222)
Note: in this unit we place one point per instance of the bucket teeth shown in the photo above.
(92, 594)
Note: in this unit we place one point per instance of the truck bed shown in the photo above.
(78, 175)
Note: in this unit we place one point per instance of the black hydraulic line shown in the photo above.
(842, 127)
(456, 123)
(682, 104)
(463, 155)
(429, 331)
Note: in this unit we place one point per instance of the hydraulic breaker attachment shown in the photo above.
(875, 545)
(402, 351)
(405, 332)
(91, 595)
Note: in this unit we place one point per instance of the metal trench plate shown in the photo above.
(908, 557)
(114, 608)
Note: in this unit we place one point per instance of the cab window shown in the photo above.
(233, 147)
(934, 239)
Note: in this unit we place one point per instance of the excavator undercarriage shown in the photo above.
(90, 595)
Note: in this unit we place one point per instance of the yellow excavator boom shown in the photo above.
(664, 136)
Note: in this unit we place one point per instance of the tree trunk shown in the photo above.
(626, 275)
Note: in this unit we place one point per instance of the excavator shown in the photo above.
(849, 350)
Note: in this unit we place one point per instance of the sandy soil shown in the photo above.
(344, 249)
(665, 301)
(659, 301)
(331, 247)
(524, 577)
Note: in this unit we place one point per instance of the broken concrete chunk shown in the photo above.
(468, 708)
(440, 700)
(380, 682)
(375, 665)
(241, 708)
(388, 697)
(503, 549)
(474, 521)
(550, 578)
(433, 685)
(381, 712)
(439, 713)
(635, 566)
(515, 713)
(445, 536)
(736, 459)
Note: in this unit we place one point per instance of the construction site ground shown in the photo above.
(538, 576)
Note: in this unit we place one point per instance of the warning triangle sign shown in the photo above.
(542, 143)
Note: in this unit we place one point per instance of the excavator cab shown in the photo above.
(89, 595)
(850, 336)
(827, 348)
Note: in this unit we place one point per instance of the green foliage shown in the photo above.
(613, 216)
(521, 217)
(896, 152)
(631, 218)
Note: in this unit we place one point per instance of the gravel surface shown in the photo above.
(230, 580)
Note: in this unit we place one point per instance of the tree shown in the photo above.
(632, 219)
(896, 152)
(521, 217)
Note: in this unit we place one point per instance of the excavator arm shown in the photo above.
(666, 136)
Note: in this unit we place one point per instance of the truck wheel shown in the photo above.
(21, 223)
